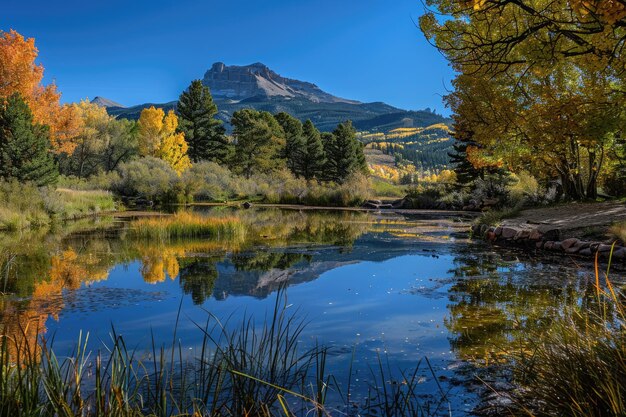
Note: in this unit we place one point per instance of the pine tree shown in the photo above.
(295, 143)
(24, 146)
(204, 134)
(345, 152)
(260, 142)
(330, 164)
(314, 158)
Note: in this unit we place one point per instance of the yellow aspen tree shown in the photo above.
(158, 138)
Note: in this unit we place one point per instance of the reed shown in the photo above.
(241, 370)
(187, 225)
(579, 367)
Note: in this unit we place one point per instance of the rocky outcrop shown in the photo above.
(242, 82)
(547, 238)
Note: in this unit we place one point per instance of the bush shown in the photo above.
(209, 181)
(152, 179)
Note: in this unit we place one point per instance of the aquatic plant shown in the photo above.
(240, 370)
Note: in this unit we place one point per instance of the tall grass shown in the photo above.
(187, 225)
(579, 367)
(239, 371)
(618, 231)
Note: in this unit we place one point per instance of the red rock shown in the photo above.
(491, 236)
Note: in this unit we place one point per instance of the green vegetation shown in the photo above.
(204, 134)
(28, 206)
(24, 145)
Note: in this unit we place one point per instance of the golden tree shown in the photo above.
(158, 138)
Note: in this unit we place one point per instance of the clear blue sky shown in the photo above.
(148, 51)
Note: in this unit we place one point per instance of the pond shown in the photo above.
(408, 290)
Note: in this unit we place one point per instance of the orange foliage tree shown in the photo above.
(20, 74)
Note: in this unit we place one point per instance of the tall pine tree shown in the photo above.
(204, 134)
(313, 157)
(345, 152)
(24, 146)
(294, 146)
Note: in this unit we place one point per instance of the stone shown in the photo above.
(522, 235)
(490, 202)
(498, 231)
(550, 232)
(604, 248)
(490, 236)
(535, 235)
(568, 243)
(548, 245)
(585, 252)
(557, 247)
(539, 245)
(508, 232)
(246, 205)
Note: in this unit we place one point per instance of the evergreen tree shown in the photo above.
(345, 151)
(259, 143)
(24, 146)
(204, 134)
(466, 173)
(330, 163)
(294, 142)
(313, 158)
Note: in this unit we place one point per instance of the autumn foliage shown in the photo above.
(158, 138)
(19, 73)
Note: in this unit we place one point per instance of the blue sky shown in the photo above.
(148, 51)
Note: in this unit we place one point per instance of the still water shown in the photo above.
(401, 287)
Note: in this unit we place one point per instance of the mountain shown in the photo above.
(257, 80)
(258, 87)
(105, 102)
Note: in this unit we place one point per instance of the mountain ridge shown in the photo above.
(256, 86)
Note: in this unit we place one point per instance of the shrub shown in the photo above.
(209, 181)
(152, 179)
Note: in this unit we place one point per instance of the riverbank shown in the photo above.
(573, 229)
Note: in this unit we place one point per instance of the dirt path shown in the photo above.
(573, 219)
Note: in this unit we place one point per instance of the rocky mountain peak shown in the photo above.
(106, 103)
(241, 82)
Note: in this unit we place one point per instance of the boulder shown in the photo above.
(568, 243)
(522, 235)
(508, 232)
(498, 231)
(548, 245)
(585, 252)
(549, 232)
(535, 235)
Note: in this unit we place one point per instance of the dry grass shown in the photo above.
(618, 231)
(187, 225)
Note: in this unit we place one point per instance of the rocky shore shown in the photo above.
(572, 230)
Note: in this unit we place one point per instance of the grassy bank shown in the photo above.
(26, 206)
(245, 371)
